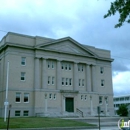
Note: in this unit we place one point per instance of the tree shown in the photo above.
(123, 110)
(123, 8)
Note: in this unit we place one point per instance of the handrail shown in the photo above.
(79, 111)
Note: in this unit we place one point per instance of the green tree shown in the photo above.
(123, 8)
(123, 110)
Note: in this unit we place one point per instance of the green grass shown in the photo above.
(40, 122)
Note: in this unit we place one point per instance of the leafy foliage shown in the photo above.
(123, 110)
(123, 7)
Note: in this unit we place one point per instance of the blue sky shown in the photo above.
(80, 19)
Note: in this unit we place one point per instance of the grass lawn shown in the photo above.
(40, 122)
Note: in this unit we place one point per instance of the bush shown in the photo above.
(123, 110)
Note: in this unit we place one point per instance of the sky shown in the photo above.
(80, 19)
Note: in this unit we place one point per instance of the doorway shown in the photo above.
(69, 104)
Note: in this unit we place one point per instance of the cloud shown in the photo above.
(80, 19)
(121, 83)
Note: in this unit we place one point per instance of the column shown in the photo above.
(93, 78)
(106, 114)
(91, 105)
(75, 81)
(36, 74)
(88, 78)
(44, 74)
(45, 103)
(58, 73)
(63, 104)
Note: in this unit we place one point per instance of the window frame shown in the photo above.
(53, 80)
(17, 113)
(27, 97)
(23, 61)
(24, 114)
(102, 82)
(49, 80)
(17, 97)
(23, 76)
(100, 100)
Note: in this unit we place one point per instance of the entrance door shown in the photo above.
(69, 102)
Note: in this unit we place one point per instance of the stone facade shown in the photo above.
(54, 77)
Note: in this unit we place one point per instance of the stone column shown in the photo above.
(44, 74)
(58, 73)
(45, 103)
(93, 78)
(36, 74)
(88, 78)
(106, 113)
(75, 72)
(63, 104)
(91, 105)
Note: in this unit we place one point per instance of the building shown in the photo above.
(120, 100)
(54, 77)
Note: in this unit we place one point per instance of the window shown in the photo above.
(54, 96)
(106, 99)
(26, 97)
(78, 67)
(79, 82)
(48, 80)
(52, 65)
(69, 66)
(52, 80)
(100, 99)
(82, 67)
(66, 81)
(101, 70)
(66, 66)
(85, 97)
(102, 82)
(25, 113)
(48, 64)
(23, 76)
(62, 81)
(81, 97)
(83, 82)
(70, 81)
(23, 60)
(17, 113)
(18, 97)
(62, 66)
(50, 96)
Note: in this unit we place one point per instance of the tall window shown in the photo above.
(50, 96)
(48, 64)
(62, 81)
(70, 81)
(23, 76)
(101, 70)
(66, 81)
(81, 97)
(23, 60)
(52, 65)
(79, 82)
(54, 96)
(100, 99)
(85, 97)
(62, 66)
(48, 80)
(18, 97)
(83, 82)
(26, 97)
(69, 66)
(102, 82)
(52, 80)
